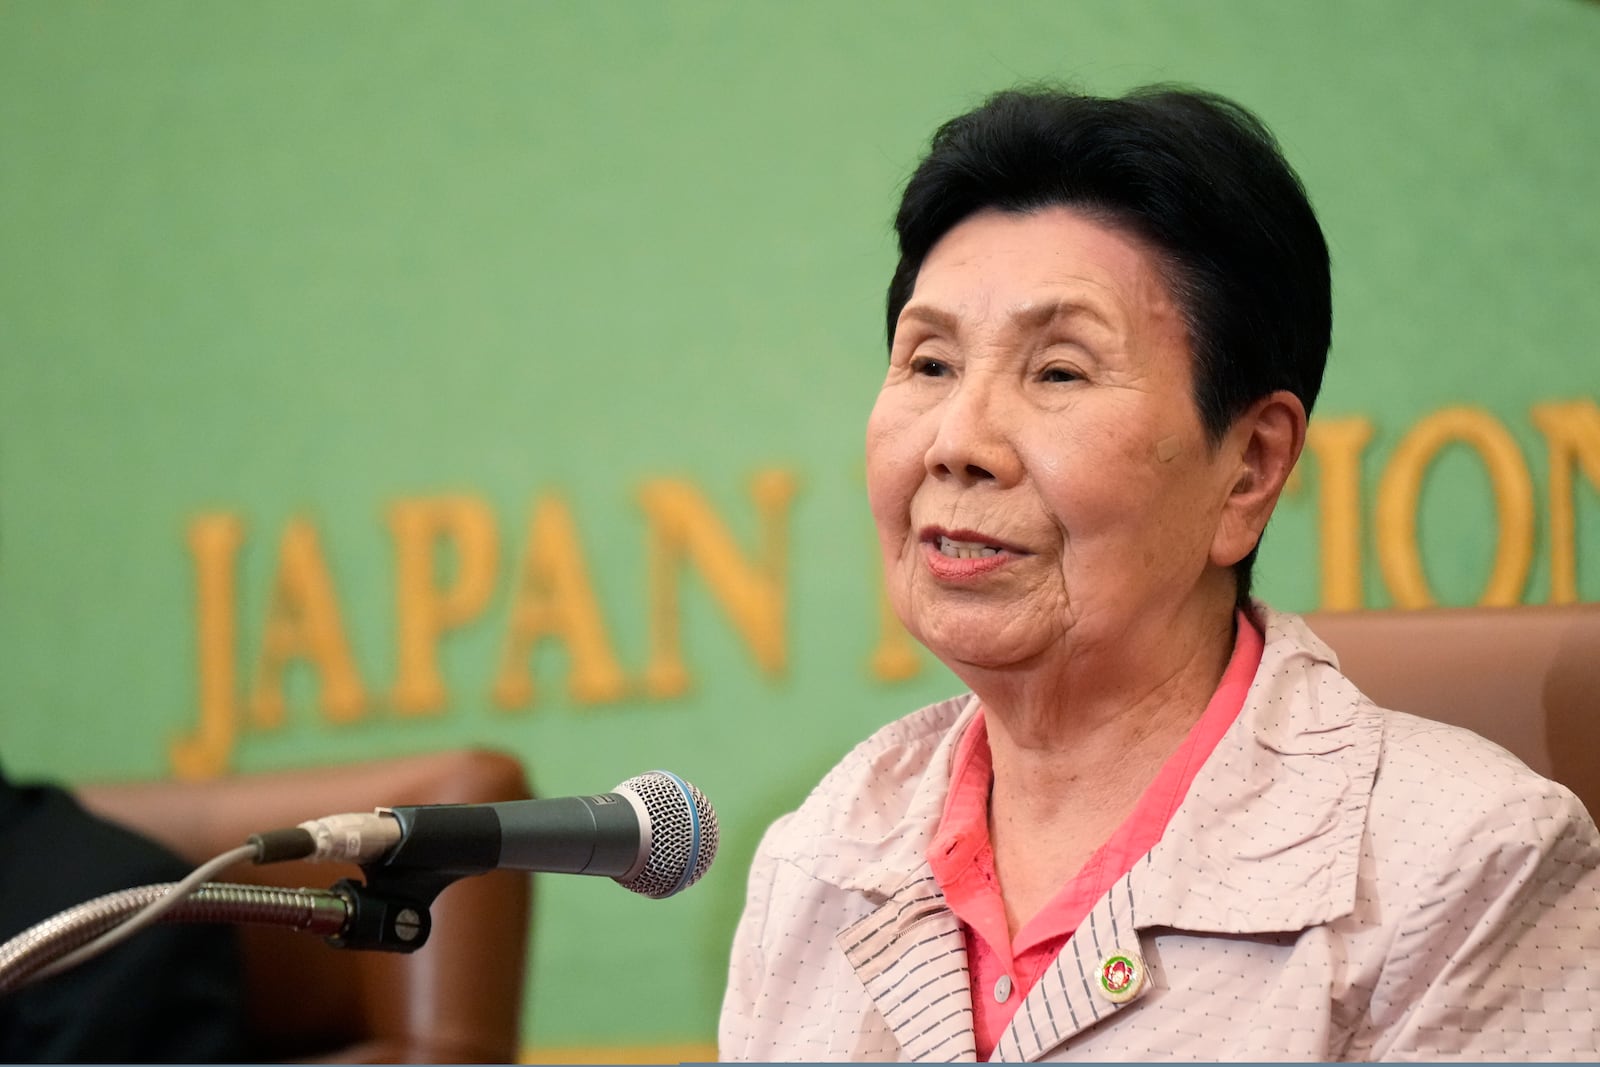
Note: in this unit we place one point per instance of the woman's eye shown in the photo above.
(930, 368)
(1058, 374)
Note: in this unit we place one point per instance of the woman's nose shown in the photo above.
(972, 443)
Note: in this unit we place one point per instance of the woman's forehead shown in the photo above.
(1035, 269)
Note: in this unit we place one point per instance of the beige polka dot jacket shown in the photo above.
(1341, 882)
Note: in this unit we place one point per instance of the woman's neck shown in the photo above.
(1073, 752)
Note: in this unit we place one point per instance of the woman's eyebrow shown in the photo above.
(1034, 316)
(927, 315)
(1031, 316)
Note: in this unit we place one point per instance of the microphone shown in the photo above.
(655, 834)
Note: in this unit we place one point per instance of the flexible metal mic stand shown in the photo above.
(389, 913)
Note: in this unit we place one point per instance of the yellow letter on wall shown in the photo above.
(1337, 444)
(1572, 437)
(683, 525)
(303, 623)
(1400, 489)
(426, 611)
(214, 542)
(553, 598)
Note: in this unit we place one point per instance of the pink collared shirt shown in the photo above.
(1003, 971)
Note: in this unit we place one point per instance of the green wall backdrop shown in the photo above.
(273, 271)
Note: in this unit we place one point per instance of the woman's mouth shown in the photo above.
(961, 554)
(949, 546)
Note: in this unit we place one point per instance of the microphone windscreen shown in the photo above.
(683, 834)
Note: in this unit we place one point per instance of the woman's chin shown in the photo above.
(982, 644)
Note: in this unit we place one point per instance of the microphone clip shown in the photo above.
(389, 911)
(387, 917)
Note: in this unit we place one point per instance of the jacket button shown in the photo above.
(1122, 975)
(1002, 989)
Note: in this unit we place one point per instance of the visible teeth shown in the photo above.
(965, 549)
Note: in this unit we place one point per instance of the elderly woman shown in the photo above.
(1162, 825)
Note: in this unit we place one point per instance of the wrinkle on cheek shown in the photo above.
(1167, 448)
(1063, 597)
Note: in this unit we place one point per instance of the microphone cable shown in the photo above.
(150, 913)
(272, 847)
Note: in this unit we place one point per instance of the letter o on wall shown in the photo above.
(1400, 490)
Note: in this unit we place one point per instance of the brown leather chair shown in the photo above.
(1527, 678)
(458, 999)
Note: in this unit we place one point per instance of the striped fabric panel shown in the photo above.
(912, 958)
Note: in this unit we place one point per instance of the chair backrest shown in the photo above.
(457, 999)
(1527, 678)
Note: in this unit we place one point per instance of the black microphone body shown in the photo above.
(599, 835)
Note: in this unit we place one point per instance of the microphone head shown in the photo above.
(682, 833)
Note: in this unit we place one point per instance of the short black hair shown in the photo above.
(1194, 175)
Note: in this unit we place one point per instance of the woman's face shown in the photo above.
(1036, 465)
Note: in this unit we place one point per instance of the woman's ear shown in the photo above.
(1266, 440)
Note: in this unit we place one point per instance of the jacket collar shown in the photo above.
(866, 827)
(1282, 801)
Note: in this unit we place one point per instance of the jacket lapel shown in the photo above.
(1070, 996)
(911, 956)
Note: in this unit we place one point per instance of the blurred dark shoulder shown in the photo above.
(173, 993)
